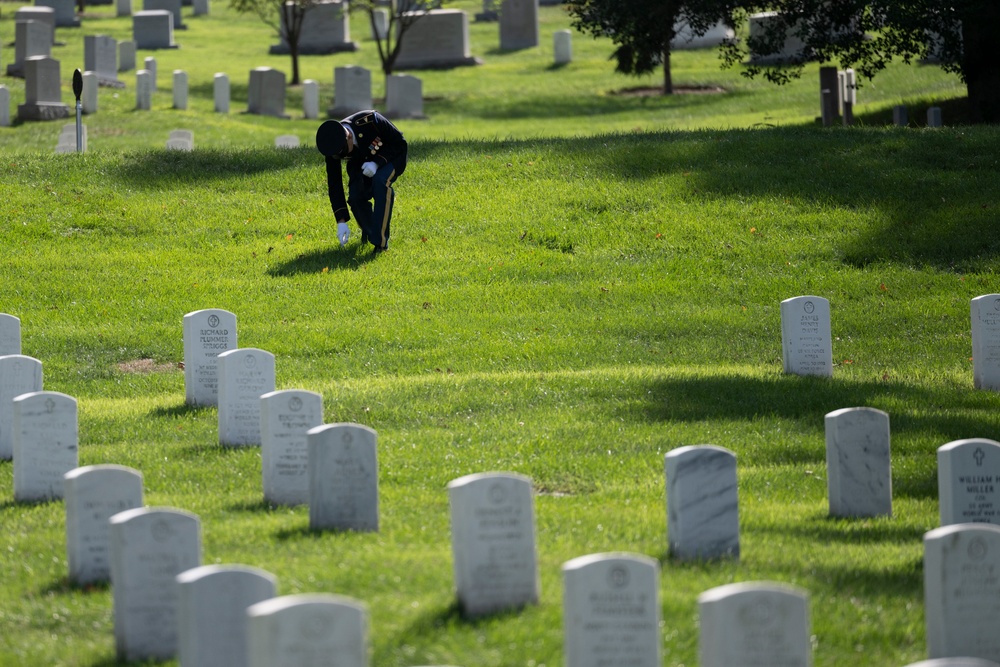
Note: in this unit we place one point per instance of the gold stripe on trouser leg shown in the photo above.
(388, 205)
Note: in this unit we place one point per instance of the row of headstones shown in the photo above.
(611, 602)
(807, 349)
(266, 93)
(838, 93)
(704, 461)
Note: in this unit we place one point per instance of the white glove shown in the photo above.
(343, 232)
(369, 169)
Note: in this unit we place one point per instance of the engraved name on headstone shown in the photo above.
(285, 418)
(969, 481)
(244, 376)
(611, 611)
(207, 334)
(805, 336)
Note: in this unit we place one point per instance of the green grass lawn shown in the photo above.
(565, 297)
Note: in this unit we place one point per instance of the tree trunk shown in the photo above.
(294, 49)
(668, 82)
(981, 63)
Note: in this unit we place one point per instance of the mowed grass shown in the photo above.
(565, 297)
(568, 309)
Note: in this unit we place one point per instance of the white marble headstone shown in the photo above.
(986, 342)
(207, 334)
(859, 469)
(143, 90)
(754, 623)
(180, 140)
(287, 141)
(562, 47)
(10, 334)
(343, 477)
(150, 546)
(126, 55)
(611, 611)
(19, 374)
(46, 444)
(5, 122)
(212, 603)
(285, 418)
(308, 629)
(962, 591)
(93, 495)
(244, 376)
(702, 503)
(805, 336)
(493, 542)
(310, 99)
(220, 92)
(180, 89)
(969, 481)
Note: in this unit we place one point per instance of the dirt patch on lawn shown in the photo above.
(147, 366)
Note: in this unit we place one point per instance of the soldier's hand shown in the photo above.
(369, 169)
(343, 232)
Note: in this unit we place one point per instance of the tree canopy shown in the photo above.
(866, 35)
(642, 30)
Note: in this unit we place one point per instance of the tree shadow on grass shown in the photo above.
(63, 586)
(706, 397)
(181, 410)
(334, 258)
(167, 170)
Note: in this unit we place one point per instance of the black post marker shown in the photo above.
(78, 90)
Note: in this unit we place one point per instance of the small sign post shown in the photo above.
(78, 90)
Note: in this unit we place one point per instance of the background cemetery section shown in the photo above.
(527, 77)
